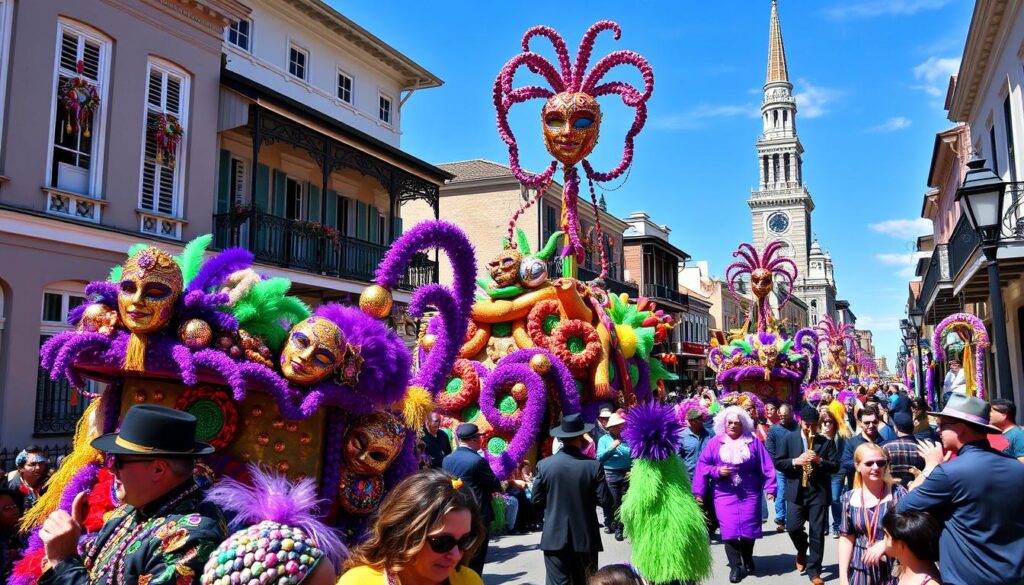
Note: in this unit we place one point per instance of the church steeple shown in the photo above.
(777, 70)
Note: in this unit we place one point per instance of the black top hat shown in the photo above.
(572, 426)
(809, 414)
(150, 429)
(467, 431)
(968, 409)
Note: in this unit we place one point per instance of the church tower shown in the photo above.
(781, 206)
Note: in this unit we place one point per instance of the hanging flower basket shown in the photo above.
(81, 100)
(167, 133)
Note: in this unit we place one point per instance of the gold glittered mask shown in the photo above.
(572, 123)
(761, 282)
(151, 283)
(372, 442)
(504, 269)
(314, 350)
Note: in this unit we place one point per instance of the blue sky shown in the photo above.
(870, 78)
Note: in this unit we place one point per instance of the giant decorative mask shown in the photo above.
(151, 283)
(761, 282)
(314, 350)
(572, 122)
(372, 442)
(504, 269)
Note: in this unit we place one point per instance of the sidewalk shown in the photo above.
(517, 560)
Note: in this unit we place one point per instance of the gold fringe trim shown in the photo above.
(82, 454)
(135, 357)
(415, 407)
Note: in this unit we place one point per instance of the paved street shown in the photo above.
(515, 560)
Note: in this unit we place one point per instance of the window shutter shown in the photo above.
(280, 193)
(159, 178)
(331, 217)
(262, 187)
(374, 213)
(224, 183)
(314, 203)
(360, 220)
(396, 228)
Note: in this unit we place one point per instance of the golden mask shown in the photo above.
(504, 269)
(314, 350)
(151, 283)
(572, 122)
(372, 442)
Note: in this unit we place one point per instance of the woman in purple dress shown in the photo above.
(738, 469)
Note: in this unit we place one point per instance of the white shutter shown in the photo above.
(165, 94)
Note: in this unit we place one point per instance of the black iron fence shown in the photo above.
(962, 245)
(934, 275)
(658, 291)
(311, 247)
(53, 454)
(58, 406)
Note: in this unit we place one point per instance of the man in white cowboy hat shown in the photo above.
(569, 487)
(616, 460)
(977, 496)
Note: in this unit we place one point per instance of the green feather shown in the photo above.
(786, 347)
(664, 523)
(744, 345)
(522, 242)
(550, 247)
(644, 341)
(116, 271)
(266, 310)
(658, 372)
(191, 258)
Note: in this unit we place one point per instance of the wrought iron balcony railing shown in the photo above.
(658, 291)
(962, 245)
(937, 273)
(311, 247)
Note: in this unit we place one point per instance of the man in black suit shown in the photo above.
(467, 464)
(570, 487)
(810, 503)
(435, 440)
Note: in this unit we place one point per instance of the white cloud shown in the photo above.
(902, 229)
(934, 74)
(879, 323)
(905, 263)
(813, 100)
(873, 8)
(891, 125)
(700, 115)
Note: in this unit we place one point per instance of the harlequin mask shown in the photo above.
(761, 282)
(315, 348)
(372, 442)
(571, 122)
(151, 283)
(504, 269)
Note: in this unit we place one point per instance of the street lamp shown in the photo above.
(917, 320)
(981, 199)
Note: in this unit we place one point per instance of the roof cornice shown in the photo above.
(988, 31)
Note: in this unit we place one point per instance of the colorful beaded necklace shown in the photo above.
(140, 533)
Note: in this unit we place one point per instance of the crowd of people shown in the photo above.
(905, 509)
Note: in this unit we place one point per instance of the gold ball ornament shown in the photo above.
(376, 301)
(519, 391)
(195, 333)
(428, 341)
(98, 318)
(540, 363)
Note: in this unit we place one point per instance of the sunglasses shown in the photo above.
(879, 463)
(117, 462)
(446, 542)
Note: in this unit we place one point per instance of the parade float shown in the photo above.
(838, 369)
(763, 364)
(968, 334)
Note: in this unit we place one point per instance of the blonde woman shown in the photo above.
(838, 433)
(862, 559)
(424, 533)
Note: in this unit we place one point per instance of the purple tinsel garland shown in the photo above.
(454, 304)
(980, 341)
(652, 431)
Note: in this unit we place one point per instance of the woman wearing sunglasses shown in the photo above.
(862, 559)
(424, 533)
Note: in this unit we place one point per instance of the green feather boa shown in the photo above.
(664, 523)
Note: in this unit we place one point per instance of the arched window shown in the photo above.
(775, 168)
(764, 164)
(785, 165)
(775, 118)
(814, 313)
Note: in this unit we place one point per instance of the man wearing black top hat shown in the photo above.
(569, 487)
(466, 463)
(163, 532)
(807, 460)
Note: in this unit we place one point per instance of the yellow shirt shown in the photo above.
(365, 575)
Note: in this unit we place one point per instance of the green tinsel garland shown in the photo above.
(498, 505)
(660, 496)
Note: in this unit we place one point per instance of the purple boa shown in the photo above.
(652, 431)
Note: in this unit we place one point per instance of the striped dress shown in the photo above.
(853, 523)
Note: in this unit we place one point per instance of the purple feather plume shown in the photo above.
(272, 497)
(652, 431)
(217, 269)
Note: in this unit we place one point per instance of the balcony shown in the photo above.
(658, 291)
(937, 299)
(586, 274)
(962, 245)
(967, 262)
(311, 247)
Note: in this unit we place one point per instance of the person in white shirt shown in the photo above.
(955, 381)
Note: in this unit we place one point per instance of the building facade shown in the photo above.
(781, 206)
(279, 104)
